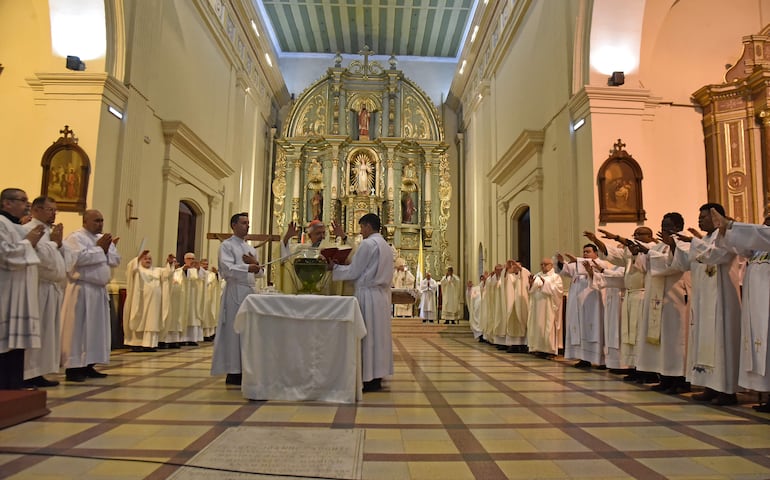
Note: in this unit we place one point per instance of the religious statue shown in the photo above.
(363, 123)
(363, 171)
(317, 205)
(407, 208)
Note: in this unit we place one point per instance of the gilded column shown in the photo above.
(295, 199)
(335, 171)
(764, 115)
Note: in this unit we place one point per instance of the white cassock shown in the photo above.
(585, 315)
(754, 366)
(428, 288)
(210, 302)
(713, 348)
(544, 323)
(516, 292)
(51, 280)
(371, 268)
(19, 307)
(194, 290)
(85, 336)
(240, 283)
(403, 279)
(473, 300)
(450, 297)
(613, 283)
(665, 320)
(633, 302)
(142, 312)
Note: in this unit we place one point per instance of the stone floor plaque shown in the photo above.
(242, 453)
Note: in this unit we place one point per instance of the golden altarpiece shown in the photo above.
(736, 128)
(364, 139)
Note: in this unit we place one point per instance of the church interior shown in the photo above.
(478, 130)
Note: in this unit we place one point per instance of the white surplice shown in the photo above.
(754, 367)
(585, 315)
(450, 297)
(192, 329)
(428, 291)
(545, 307)
(665, 320)
(85, 337)
(612, 281)
(210, 302)
(19, 307)
(516, 288)
(633, 301)
(753, 237)
(713, 348)
(142, 312)
(239, 283)
(51, 278)
(371, 268)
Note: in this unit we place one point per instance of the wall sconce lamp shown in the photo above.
(616, 79)
(130, 212)
(74, 63)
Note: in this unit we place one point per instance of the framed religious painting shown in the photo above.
(620, 188)
(66, 171)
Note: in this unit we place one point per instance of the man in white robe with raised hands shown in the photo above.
(51, 280)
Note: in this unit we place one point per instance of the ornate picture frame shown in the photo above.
(66, 172)
(619, 181)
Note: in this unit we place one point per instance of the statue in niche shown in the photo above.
(363, 122)
(408, 208)
(317, 206)
(363, 175)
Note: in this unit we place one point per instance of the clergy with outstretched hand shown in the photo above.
(239, 268)
(371, 268)
(85, 337)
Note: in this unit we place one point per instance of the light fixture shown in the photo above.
(74, 63)
(269, 61)
(462, 67)
(475, 31)
(254, 26)
(115, 111)
(578, 124)
(616, 79)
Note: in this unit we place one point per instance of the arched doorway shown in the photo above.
(186, 230)
(522, 238)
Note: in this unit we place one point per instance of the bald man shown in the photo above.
(89, 259)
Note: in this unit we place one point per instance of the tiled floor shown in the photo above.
(455, 409)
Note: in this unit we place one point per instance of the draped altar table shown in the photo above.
(301, 347)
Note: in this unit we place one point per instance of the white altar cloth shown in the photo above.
(301, 347)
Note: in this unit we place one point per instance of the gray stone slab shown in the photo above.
(252, 453)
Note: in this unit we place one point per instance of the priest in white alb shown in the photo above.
(90, 257)
(754, 366)
(516, 292)
(19, 310)
(51, 280)
(450, 296)
(238, 265)
(428, 291)
(713, 349)
(142, 312)
(545, 306)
